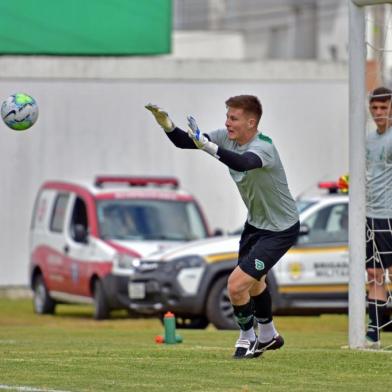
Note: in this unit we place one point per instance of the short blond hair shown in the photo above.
(248, 103)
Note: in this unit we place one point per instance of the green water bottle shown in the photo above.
(169, 321)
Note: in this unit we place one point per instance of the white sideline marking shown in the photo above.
(27, 389)
(386, 349)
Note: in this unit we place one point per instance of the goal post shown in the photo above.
(357, 137)
(357, 168)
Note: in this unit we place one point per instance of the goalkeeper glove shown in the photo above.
(161, 117)
(199, 139)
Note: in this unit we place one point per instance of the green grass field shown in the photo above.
(72, 352)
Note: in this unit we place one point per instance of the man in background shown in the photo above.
(378, 210)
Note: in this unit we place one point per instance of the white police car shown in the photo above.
(84, 237)
(190, 280)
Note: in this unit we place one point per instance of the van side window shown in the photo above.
(79, 215)
(58, 215)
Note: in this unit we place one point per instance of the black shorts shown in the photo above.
(378, 243)
(261, 249)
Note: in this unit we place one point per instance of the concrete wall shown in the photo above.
(207, 45)
(92, 121)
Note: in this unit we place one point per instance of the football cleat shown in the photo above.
(372, 344)
(372, 334)
(258, 347)
(372, 338)
(242, 347)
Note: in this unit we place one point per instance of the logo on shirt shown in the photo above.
(259, 265)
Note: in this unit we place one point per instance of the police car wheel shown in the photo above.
(277, 302)
(43, 303)
(189, 322)
(219, 309)
(101, 308)
(192, 322)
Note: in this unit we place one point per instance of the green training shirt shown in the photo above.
(379, 174)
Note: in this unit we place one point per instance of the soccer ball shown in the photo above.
(19, 111)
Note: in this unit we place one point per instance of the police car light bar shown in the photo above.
(137, 181)
(331, 186)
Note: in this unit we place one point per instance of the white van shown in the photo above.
(85, 236)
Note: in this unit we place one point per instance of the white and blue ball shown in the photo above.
(19, 111)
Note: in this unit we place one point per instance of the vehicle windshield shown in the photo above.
(150, 220)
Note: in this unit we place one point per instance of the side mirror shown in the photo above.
(80, 233)
(304, 229)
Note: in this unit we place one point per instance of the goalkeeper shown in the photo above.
(272, 224)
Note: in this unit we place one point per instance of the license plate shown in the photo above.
(136, 290)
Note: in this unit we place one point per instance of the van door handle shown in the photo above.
(66, 248)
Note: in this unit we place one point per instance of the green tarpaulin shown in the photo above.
(85, 27)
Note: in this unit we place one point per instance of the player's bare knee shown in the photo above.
(258, 287)
(236, 291)
(233, 291)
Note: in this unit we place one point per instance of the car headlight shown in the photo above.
(188, 271)
(124, 261)
(179, 264)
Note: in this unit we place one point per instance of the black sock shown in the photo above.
(263, 307)
(243, 314)
(376, 309)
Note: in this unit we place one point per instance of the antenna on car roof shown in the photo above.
(136, 181)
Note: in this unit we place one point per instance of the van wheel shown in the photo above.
(219, 309)
(101, 307)
(42, 302)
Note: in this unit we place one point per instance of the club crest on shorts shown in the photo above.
(259, 265)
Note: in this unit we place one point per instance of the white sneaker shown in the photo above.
(242, 348)
(258, 348)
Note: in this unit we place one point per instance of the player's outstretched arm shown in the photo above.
(235, 161)
(200, 140)
(161, 117)
(177, 136)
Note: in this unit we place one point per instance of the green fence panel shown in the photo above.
(85, 27)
